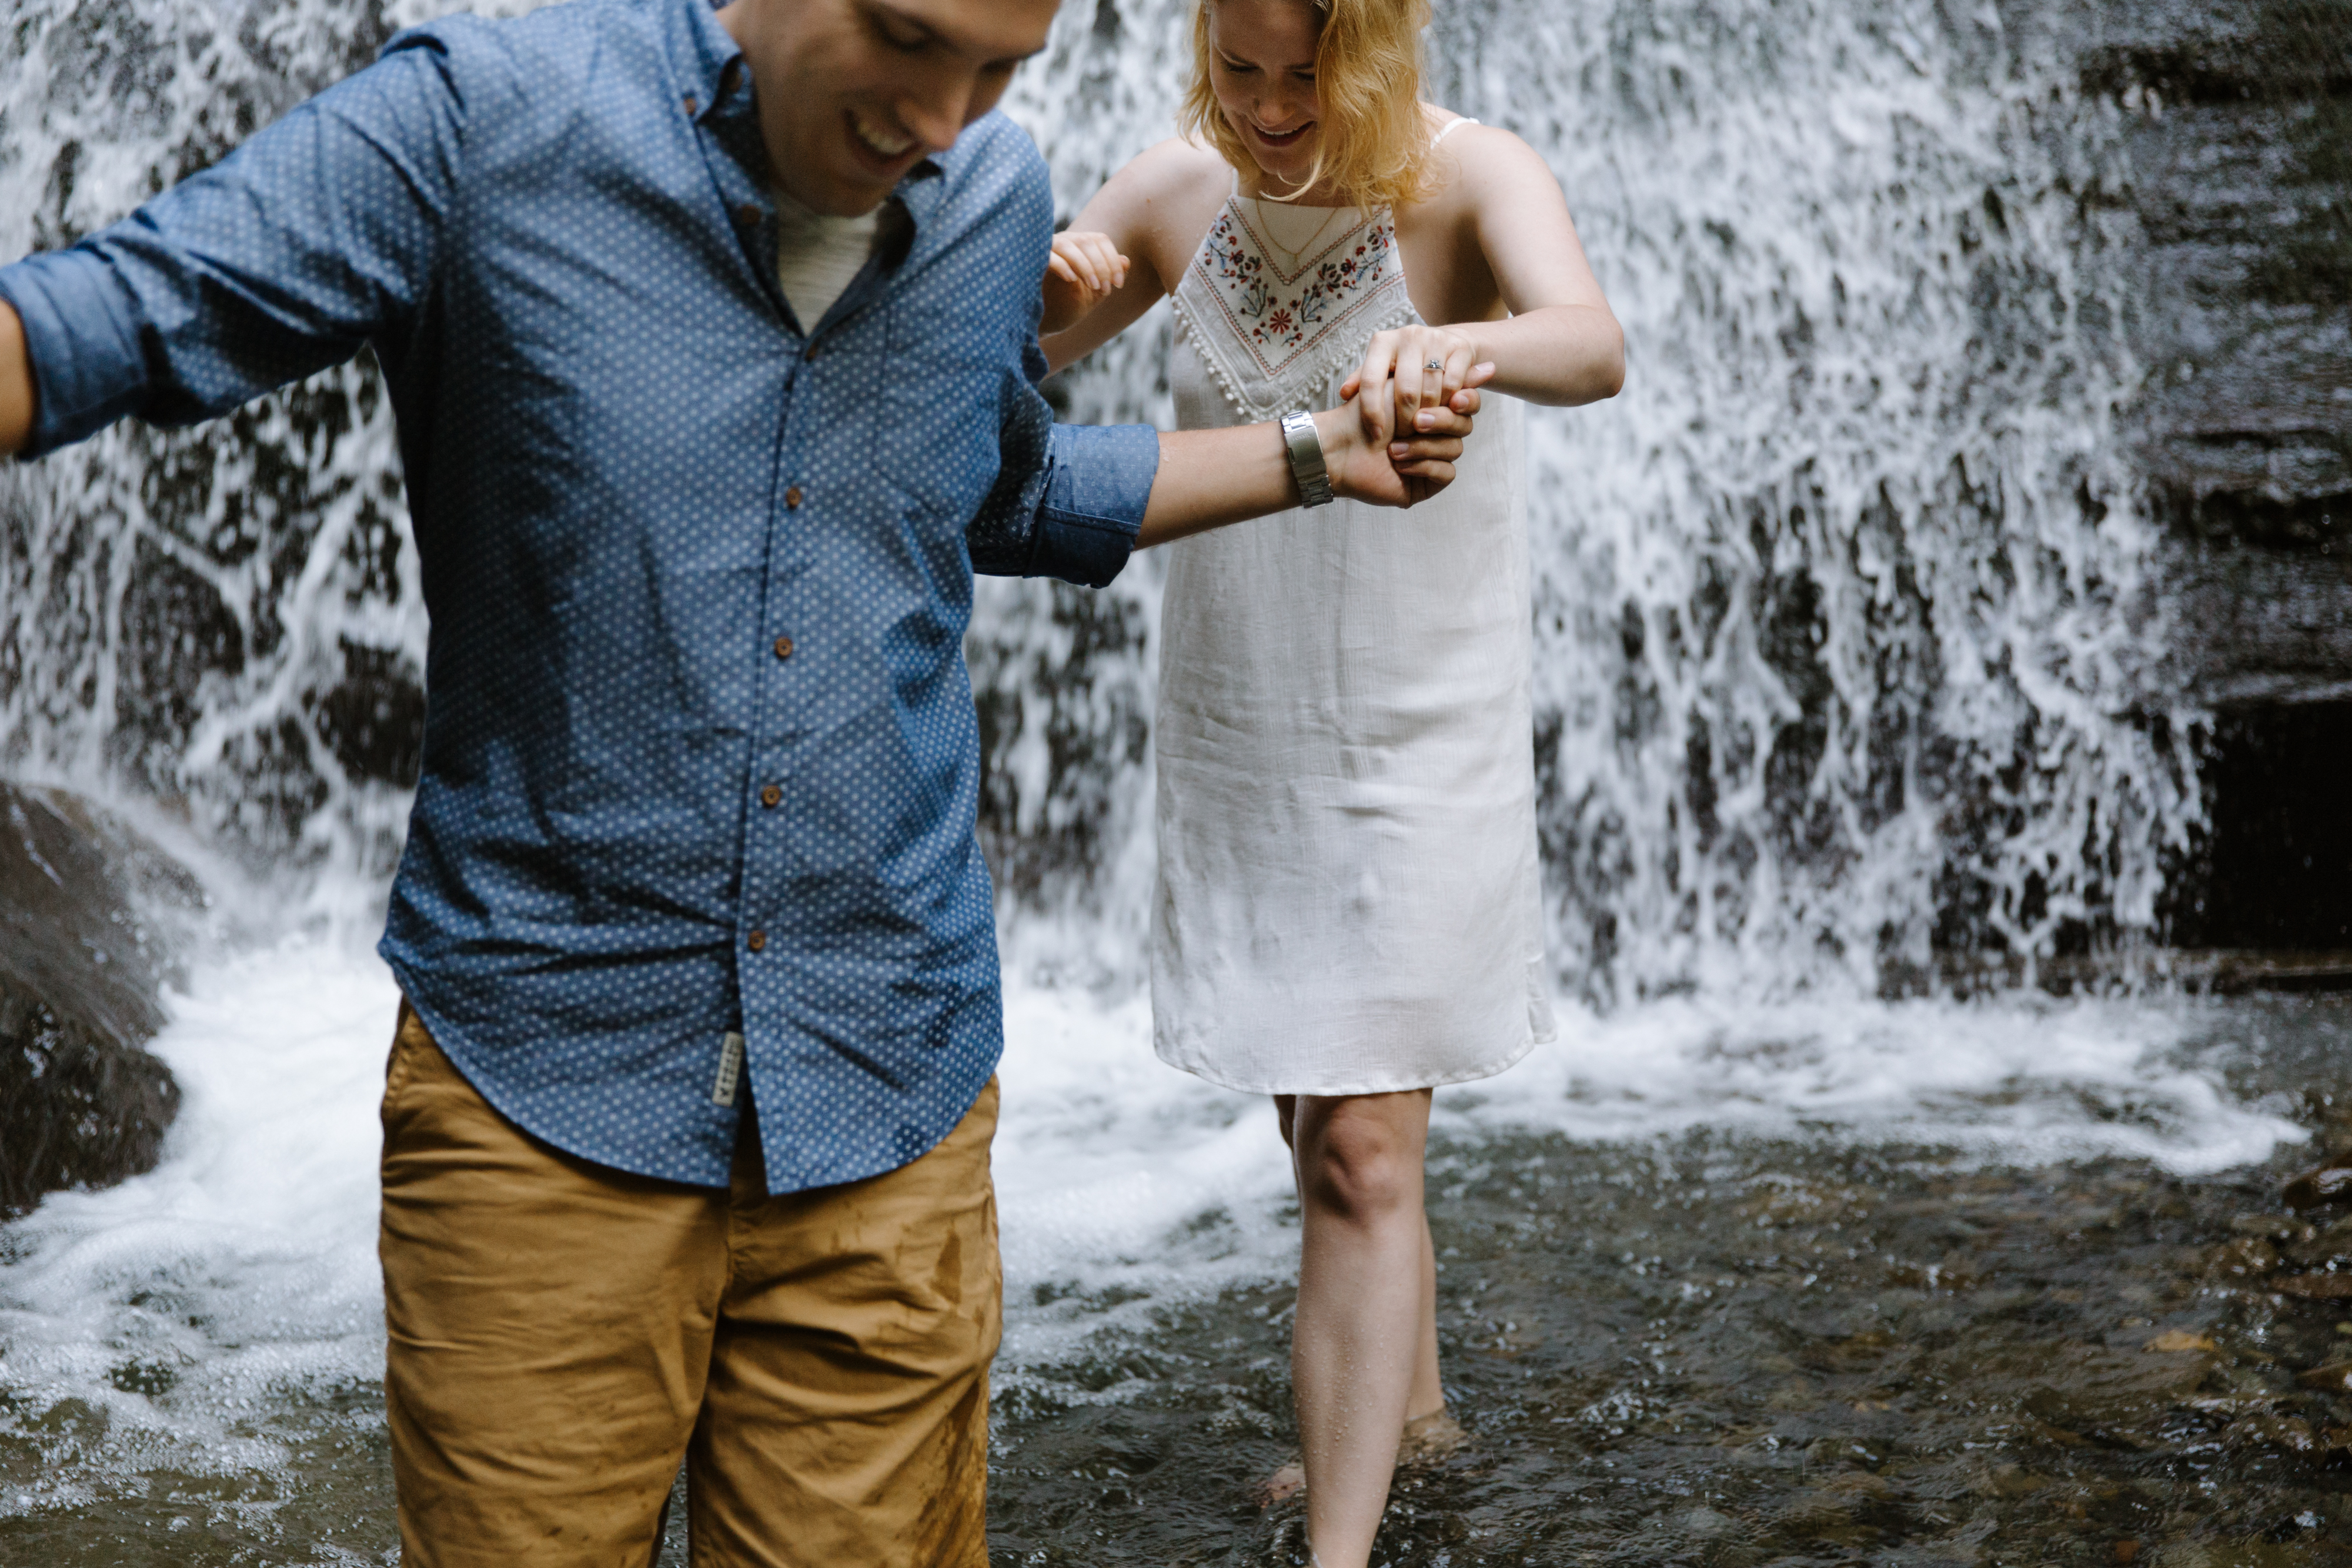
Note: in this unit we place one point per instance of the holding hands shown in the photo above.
(1431, 366)
(1390, 446)
(1383, 453)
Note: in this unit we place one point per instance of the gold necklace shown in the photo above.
(1298, 257)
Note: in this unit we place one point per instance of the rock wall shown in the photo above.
(2242, 162)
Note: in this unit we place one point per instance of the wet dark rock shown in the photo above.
(2327, 1183)
(2323, 1249)
(2333, 1378)
(2249, 1257)
(2241, 156)
(86, 907)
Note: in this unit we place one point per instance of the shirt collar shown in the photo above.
(708, 64)
(705, 62)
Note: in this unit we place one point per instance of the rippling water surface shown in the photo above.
(1692, 1255)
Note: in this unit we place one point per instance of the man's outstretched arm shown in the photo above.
(18, 398)
(317, 233)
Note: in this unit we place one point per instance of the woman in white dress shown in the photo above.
(1348, 908)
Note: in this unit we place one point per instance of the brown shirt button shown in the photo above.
(783, 647)
(756, 941)
(693, 104)
(747, 217)
(793, 497)
(771, 796)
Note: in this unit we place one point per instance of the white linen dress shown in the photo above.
(1348, 900)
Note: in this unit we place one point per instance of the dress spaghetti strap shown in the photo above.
(1451, 125)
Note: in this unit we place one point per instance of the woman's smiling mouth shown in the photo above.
(1281, 139)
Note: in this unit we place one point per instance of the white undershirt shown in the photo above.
(818, 257)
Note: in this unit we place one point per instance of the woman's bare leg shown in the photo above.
(1364, 1311)
(1428, 1396)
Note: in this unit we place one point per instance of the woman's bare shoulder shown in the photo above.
(1176, 168)
(1475, 158)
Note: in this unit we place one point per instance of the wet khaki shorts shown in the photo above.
(561, 1335)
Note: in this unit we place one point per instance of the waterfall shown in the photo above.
(1844, 635)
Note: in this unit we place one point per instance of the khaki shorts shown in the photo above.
(562, 1335)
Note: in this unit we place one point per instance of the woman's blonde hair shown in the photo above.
(1375, 140)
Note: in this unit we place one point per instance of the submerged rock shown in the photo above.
(2330, 1183)
(81, 960)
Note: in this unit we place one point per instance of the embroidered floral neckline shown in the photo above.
(1285, 329)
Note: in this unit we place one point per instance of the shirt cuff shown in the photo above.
(1098, 482)
(81, 335)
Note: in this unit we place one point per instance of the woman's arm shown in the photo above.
(1153, 212)
(1560, 344)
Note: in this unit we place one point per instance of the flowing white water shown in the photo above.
(1838, 657)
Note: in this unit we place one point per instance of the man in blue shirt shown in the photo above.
(694, 832)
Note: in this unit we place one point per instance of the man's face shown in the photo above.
(854, 93)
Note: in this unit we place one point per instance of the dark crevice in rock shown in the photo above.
(2274, 870)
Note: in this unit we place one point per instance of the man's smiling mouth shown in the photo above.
(884, 144)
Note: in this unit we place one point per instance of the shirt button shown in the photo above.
(771, 796)
(793, 497)
(692, 105)
(756, 941)
(747, 217)
(783, 647)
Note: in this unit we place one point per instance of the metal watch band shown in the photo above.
(1299, 435)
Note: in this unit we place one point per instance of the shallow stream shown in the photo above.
(1871, 1282)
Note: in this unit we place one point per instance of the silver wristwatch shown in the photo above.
(1306, 445)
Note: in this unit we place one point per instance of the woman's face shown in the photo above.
(1262, 69)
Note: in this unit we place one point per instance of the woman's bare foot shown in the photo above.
(1286, 1483)
(1430, 1439)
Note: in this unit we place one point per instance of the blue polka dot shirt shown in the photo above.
(700, 759)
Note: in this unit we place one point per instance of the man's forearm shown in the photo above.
(16, 389)
(1207, 478)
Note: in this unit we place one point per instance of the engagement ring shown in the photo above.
(1437, 364)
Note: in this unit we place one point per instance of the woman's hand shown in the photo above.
(1083, 271)
(1429, 366)
(1371, 459)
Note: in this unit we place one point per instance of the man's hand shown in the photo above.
(17, 386)
(1081, 272)
(1373, 460)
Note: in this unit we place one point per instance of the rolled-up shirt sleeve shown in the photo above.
(316, 234)
(1069, 498)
